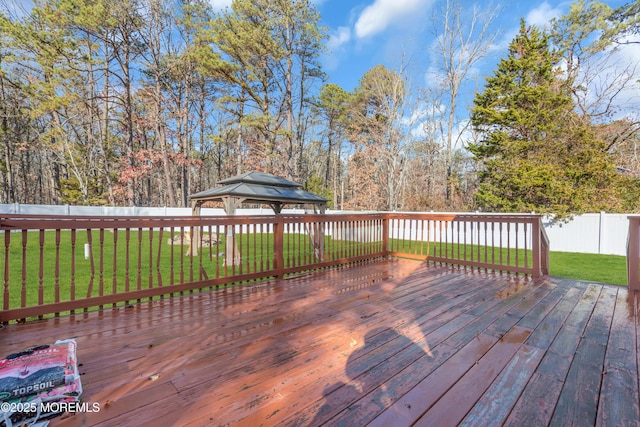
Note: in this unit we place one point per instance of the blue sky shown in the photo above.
(365, 33)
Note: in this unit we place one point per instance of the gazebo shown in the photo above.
(258, 188)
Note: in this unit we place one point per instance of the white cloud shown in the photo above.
(341, 36)
(335, 48)
(220, 4)
(542, 15)
(382, 13)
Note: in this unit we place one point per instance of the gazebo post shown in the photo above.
(231, 253)
(196, 207)
(316, 234)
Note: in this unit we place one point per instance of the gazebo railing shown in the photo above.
(55, 265)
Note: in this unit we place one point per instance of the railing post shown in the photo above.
(633, 255)
(385, 234)
(540, 248)
(278, 246)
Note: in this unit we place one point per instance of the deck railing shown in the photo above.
(55, 265)
(513, 243)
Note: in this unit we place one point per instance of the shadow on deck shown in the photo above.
(392, 342)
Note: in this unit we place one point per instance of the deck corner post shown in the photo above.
(278, 246)
(537, 270)
(633, 255)
(540, 248)
(385, 234)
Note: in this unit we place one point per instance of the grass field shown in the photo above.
(610, 269)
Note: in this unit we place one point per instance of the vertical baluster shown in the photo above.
(357, 236)
(139, 276)
(114, 282)
(241, 248)
(526, 245)
(92, 265)
(478, 245)
(486, 244)
(171, 255)
(420, 236)
(360, 230)
(7, 292)
(286, 238)
(500, 232)
(310, 244)
(340, 235)
(159, 257)
(415, 235)
(218, 238)
(335, 226)
(72, 289)
(264, 247)
(403, 233)
(41, 271)
(101, 264)
(462, 240)
(344, 240)
(57, 270)
(517, 246)
(254, 233)
(447, 224)
(270, 246)
(508, 224)
(127, 260)
(23, 291)
(210, 231)
(430, 247)
(455, 239)
(301, 249)
(192, 247)
(493, 243)
(372, 236)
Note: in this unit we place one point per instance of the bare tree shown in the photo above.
(380, 123)
(601, 76)
(463, 37)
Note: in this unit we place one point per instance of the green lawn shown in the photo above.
(610, 269)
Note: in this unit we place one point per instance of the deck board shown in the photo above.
(388, 342)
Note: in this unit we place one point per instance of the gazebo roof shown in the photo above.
(262, 178)
(259, 187)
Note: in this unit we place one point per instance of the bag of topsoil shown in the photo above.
(31, 380)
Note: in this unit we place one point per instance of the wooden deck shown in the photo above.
(384, 343)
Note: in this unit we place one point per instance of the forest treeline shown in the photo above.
(143, 102)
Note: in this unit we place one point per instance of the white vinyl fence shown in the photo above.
(597, 233)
